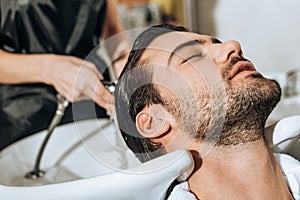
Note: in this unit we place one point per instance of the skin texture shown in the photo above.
(243, 100)
(221, 121)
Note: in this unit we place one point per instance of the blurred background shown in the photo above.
(268, 30)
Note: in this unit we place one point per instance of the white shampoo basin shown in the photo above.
(87, 160)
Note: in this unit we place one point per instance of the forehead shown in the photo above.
(190, 77)
(161, 47)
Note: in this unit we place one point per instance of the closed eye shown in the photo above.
(216, 41)
(199, 55)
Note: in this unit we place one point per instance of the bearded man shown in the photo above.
(182, 90)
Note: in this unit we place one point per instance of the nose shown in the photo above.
(222, 52)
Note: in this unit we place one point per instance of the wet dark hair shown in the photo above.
(135, 91)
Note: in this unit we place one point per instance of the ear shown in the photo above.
(153, 121)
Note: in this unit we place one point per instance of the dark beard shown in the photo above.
(248, 109)
(249, 104)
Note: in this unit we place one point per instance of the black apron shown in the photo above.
(66, 27)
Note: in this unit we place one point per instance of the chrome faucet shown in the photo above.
(62, 104)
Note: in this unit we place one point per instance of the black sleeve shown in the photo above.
(1, 23)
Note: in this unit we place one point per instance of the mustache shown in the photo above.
(230, 65)
(235, 60)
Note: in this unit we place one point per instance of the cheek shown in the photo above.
(199, 88)
(203, 77)
(179, 141)
(192, 78)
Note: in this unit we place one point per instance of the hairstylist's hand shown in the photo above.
(76, 79)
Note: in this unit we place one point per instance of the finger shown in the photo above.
(91, 66)
(84, 64)
(71, 93)
(62, 89)
(67, 93)
(102, 96)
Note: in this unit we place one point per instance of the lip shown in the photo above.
(242, 67)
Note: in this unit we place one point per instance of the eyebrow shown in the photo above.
(190, 43)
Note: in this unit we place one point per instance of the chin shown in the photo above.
(252, 96)
(250, 100)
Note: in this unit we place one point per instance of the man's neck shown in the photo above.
(244, 171)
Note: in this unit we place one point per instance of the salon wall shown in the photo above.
(269, 30)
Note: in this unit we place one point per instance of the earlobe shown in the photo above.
(143, 121)
(152, 121)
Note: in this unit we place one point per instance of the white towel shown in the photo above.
(182, 191)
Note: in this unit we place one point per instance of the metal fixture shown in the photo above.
(62, 103)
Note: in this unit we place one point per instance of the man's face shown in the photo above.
(187, 53)
(217, 82)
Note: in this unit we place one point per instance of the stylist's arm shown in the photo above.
(72, 77)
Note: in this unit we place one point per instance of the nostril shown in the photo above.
(241, 54)
(231, 54)
(223, 52)
(233, 49)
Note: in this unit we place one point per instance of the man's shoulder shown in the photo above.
(291, 170)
